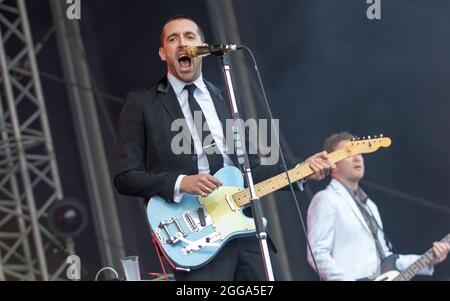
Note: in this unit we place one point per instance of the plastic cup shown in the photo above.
(130, 266)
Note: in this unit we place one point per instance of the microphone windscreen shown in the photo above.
(191, 51)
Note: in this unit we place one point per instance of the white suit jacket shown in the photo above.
(340, 239)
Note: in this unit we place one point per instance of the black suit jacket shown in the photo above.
(145, 165)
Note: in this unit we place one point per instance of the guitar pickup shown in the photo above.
(196, 219)
(230, 202)
(201, 216)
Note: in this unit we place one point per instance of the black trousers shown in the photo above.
(239, 260)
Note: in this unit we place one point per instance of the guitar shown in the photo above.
(425, 260)
(192, 232)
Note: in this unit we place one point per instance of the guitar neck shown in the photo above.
(277, 182)
(425, 260)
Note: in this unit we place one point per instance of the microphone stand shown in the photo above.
(244, 161)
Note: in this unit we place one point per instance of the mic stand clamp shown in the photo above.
(244, 161)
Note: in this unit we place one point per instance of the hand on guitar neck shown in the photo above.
(321, 165)
(440, 251)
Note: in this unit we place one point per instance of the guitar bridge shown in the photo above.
(169, 237)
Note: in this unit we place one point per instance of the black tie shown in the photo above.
(215, 159)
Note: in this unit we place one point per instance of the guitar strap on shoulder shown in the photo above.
(386, 238)
(370, 220)
(359, 196)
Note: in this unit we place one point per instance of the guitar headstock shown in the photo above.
(367, 145)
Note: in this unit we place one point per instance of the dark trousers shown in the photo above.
(239, 260)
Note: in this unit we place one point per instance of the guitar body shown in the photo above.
(191, 241)
(388, 269)
(388, 276)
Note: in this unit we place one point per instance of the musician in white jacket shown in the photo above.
(345, 228)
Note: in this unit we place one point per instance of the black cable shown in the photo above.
(411, 198)
(282, 159)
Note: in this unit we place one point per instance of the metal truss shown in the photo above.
(29, 179)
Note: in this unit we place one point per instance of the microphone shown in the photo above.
(220, 49)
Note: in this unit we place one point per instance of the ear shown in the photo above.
(162, 54)
(333, 173)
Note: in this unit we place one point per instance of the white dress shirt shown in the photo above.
(206, 103)
(340, 238)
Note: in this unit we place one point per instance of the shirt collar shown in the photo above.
(178, 85)
(359, 193)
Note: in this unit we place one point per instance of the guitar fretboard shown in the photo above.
(425, 260)
(277, 182)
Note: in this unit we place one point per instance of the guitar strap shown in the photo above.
(360, 198)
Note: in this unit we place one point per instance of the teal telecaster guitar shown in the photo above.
(192, 232)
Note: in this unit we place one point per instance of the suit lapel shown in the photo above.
(223, 113)
(170, 102)
(340, 189)
(219, 103)
(169, 99)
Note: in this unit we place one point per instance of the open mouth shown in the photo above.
(184, 61)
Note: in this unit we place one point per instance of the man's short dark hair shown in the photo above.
(331, 142)
(180, 17)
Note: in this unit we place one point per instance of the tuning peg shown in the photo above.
(376, 137)
(364, 137)
(381, 135)
(368, 137)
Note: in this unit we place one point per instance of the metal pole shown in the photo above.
(89, 137)
(2, 275)
(40, 97)
(226, 30)
(243, 159)
(11, 174)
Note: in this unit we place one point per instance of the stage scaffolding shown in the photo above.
(29, 179)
